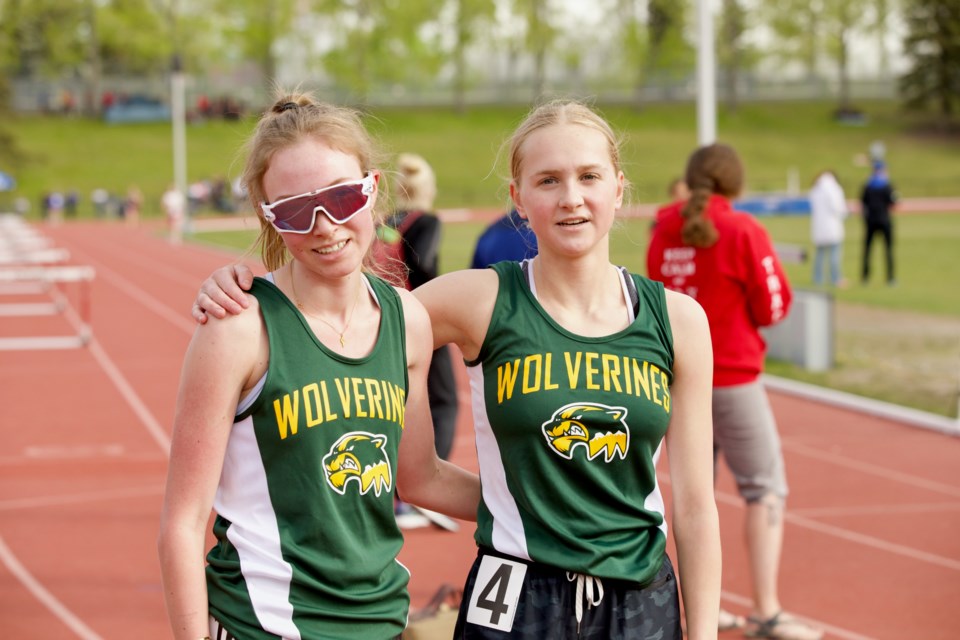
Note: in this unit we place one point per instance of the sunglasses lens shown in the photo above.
(340, 203)
(294, 215)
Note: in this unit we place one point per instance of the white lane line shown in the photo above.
(883, 509)
(124, 387)
(24, 460)
(876, 543)
(872, 469)
(167, 271)
(182, 321)
(736, 501)
(27, 580)
(60, 452)
(147, 419)
(79, 498)
(851, 536)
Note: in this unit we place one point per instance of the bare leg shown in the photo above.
(764, 533)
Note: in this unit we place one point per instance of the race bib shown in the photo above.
(496, 592)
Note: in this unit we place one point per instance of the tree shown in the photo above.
(380, 43)
(540, 34)
(43, 37)
(799, 23)
(668, 53)
(732, 52)
(882, 10)
(633, 41)
(468, 16)
(796, 27)
(932, 45)
(11, 153)
(253, 28)
(652, 40)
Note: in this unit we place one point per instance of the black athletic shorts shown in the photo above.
(506, 597)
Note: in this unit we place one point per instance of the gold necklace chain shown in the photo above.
(340, 334)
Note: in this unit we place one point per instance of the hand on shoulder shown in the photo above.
(460, 305)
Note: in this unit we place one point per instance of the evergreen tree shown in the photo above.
(933, 46)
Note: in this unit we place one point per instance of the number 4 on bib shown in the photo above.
(496, 592)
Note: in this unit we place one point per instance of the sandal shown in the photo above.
(781, 626)
(730, 621)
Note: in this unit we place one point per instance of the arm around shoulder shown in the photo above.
(422, 477)
(460, 305)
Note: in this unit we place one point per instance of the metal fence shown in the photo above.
(248, 88)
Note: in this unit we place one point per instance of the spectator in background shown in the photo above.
(53, 205)
(509, 237)
(70, 202)
(416, 230)
(726, 261)
(678, 190)
(133, 205)
(21, 206)
(175, 208)
(878, 199)
(828, 210)
(100, 198)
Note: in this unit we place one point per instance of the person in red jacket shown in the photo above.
(725, 260)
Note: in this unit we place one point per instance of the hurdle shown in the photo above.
(49, 277)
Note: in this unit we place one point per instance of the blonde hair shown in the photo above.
(713, 169)
(560, 112)
(415, 187)
(292, 118)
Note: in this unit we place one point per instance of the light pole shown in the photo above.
(706, 71)
(178, 119)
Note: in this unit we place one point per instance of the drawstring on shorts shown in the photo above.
(590, 583)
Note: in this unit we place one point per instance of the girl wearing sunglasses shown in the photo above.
(582, 374)
(298, 424)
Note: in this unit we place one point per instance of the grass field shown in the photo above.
(926, 252)
(775, 139)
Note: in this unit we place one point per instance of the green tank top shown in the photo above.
(307, 539)
(569, 433)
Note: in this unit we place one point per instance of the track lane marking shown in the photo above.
(40, 593)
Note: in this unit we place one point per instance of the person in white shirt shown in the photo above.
(175, 207)
(828, 209)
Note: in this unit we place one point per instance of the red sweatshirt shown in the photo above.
(738, 281)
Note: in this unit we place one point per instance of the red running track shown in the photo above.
(872, 546)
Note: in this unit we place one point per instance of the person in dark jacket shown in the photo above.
(509, 237)
(878, 199)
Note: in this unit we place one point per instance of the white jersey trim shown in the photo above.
(507, 535)
(244, 499)
(654, 501)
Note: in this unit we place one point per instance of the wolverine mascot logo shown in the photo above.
(596, 427)
(358, 456)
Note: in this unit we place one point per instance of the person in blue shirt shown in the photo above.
(507, 238)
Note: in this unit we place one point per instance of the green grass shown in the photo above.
(926, 251)
(925, 248)
(774, 139)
